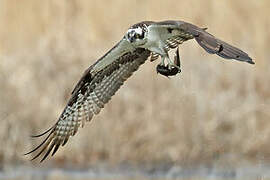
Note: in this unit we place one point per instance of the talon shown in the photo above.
(172, 68)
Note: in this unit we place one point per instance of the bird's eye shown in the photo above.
(139, 35)
(135, 34)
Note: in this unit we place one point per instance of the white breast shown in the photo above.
(154, 41)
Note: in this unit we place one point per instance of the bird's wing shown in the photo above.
(174, 33)
(96, 87)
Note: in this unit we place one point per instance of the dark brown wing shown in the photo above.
(91, 93)
(180, 31)
(214, 45)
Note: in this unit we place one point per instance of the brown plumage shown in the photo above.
(101, 80)
(88, 97)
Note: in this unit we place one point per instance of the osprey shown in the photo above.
(101, 80)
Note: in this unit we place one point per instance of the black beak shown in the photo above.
(131, 39)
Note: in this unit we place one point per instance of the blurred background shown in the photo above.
(214, 115)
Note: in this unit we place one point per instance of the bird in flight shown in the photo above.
(101, 80)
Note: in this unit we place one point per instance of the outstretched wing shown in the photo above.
(174, 33)
(96, 87)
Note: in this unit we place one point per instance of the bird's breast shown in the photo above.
(154, 43)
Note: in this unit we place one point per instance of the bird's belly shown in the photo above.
(157, 50)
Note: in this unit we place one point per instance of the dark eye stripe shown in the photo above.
(141, 36)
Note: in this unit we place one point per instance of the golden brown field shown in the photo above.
(215, 111)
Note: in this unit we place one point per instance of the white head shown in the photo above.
(136, 35)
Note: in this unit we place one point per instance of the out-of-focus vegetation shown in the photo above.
(214, 111)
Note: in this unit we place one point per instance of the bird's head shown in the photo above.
(136, 35)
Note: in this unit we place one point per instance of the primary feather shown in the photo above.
(89, 97)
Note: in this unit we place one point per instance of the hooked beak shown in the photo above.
(131, 39)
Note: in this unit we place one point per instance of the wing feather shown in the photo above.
(216, 46)
(174, 33)
(101, 80)
(89, 96)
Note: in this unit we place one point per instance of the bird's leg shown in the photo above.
(176, 63)
(177, 58)
(162, 63)
(172, 68)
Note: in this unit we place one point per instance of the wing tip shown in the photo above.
(41, 134)
(42, 145)
(250, 61)
(245, 58)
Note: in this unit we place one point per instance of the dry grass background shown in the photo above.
(215, 111)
